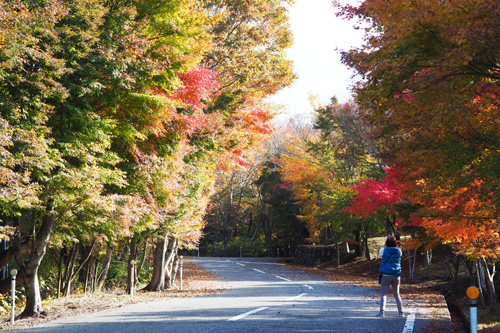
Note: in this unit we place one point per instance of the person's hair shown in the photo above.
(391, 242)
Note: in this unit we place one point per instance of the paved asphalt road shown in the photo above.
(262, 296)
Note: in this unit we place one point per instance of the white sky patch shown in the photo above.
(317, 35)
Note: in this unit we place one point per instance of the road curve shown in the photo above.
(262, 296)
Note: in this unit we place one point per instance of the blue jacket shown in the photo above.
(391, 261)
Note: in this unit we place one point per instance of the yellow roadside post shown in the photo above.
(473, 294)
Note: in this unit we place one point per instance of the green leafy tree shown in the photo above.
(70, 172)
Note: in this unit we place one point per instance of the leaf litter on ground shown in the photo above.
(196, 282)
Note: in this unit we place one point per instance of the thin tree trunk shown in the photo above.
(57, 256)
(83, 250)
(105, 266)
(170, 282)
(479, 283)
(143, 260)
(335, 236)
(412, 264)
(87, 277)
(68, 270)
(490, 283)
(367, 249)
(428, 256)
(132, 269)
(91, 270)
(94, 273)
(72, 274)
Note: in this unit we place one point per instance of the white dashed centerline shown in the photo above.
(408, 328)
(295, 297)
(243, 315)
(282, 278)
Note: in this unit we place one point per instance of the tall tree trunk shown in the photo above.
(29, 268)
(367, 248)
(480, 282)
(171, 257)
(428, 256)
(157, 282)
(358, 249)
(105, 266)
(132, 269)
(412, 262)
(175, 270)
(91, 270)
(490, 283)
(335, 236)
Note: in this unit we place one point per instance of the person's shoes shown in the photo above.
(381, 314)
(401, 314)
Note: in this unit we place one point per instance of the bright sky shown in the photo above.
(317, 35)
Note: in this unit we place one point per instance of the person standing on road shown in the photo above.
(390, 274)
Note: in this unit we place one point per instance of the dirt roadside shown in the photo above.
(196, 282)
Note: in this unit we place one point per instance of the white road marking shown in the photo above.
(308, 287)
(243, 315)
(255, 269)
(295, 297)
(240, 264)
(279, 277)
(410, 321)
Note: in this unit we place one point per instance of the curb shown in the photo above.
(434, 308)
